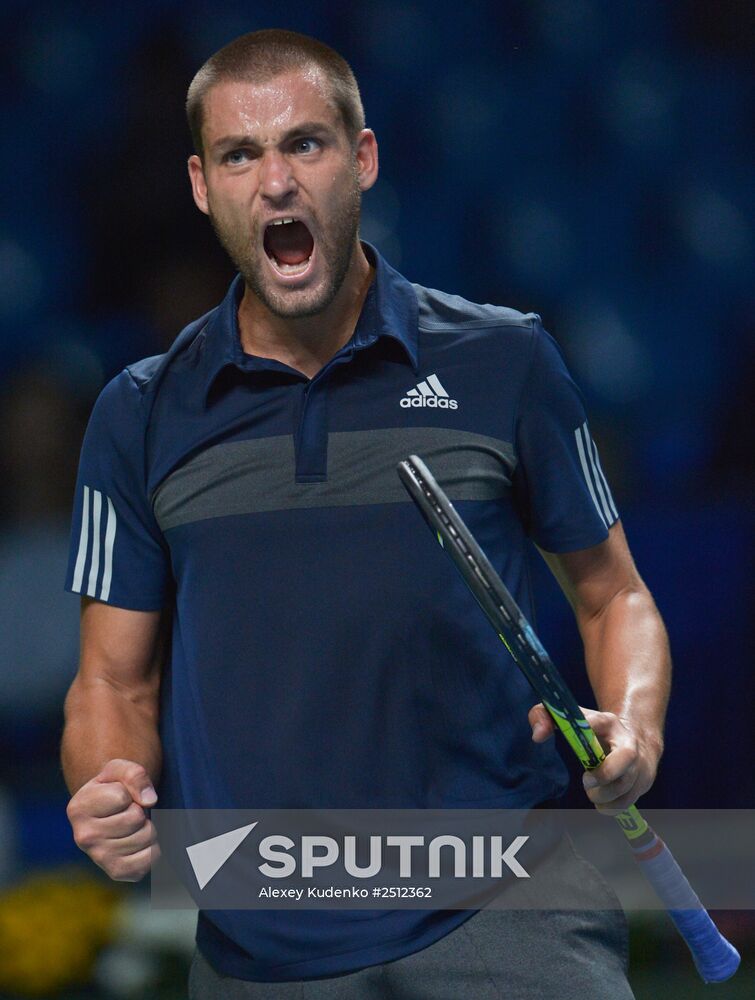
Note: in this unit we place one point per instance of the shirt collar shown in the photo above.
(390, 310)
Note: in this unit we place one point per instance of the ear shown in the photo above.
(198, 183)
(367, 159)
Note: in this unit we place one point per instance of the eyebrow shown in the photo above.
(243, 139)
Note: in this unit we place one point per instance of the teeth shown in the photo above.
(281, 222)
(291, 268)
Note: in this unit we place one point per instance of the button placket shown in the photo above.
(311, 439)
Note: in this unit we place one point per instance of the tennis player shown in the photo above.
(264, 622)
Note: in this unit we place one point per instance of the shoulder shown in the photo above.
(146, 375)
(123, 402)
(442, 311)
(490, 332)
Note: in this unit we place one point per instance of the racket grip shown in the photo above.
(715, 957)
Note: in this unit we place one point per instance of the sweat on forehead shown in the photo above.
(277, 104)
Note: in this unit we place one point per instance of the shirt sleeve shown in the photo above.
(117, 553)
(562, 493)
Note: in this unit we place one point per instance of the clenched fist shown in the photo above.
(110, 823)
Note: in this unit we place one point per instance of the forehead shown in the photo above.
(269, 107)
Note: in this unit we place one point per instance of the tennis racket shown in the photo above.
(716, 959)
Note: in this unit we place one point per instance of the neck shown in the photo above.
(308, 342)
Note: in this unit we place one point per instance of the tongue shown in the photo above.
(290, 243)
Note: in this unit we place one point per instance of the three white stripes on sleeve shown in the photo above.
(593, 473)
(94, 521)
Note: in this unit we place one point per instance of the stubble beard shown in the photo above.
(334, 249)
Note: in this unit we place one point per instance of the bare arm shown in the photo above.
(111, 710)
(111, 751)
(628, 663)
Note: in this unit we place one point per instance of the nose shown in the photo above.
(275, 176)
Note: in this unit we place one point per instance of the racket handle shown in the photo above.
(716, 959)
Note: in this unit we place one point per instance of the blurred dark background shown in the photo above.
(588, 161)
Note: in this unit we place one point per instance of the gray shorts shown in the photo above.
(496, 954)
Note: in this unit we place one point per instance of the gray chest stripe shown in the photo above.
(247, 477)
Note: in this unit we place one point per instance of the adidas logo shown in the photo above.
(429, 392)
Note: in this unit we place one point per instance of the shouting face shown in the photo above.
(281, 183)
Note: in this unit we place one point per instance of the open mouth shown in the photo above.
(289, 246)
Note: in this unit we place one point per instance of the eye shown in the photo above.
(235, 157)
(306, 145)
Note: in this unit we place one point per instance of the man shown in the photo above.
(264, 621)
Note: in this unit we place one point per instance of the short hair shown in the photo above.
(261, 55)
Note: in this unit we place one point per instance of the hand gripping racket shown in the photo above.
(716, 959)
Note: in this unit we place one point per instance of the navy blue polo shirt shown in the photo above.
(325, 653)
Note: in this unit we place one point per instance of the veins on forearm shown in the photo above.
(628, 661)
(143, 698)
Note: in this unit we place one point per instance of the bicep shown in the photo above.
(592, 577)
(123, 648)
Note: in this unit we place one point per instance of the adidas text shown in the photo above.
(438, 401)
